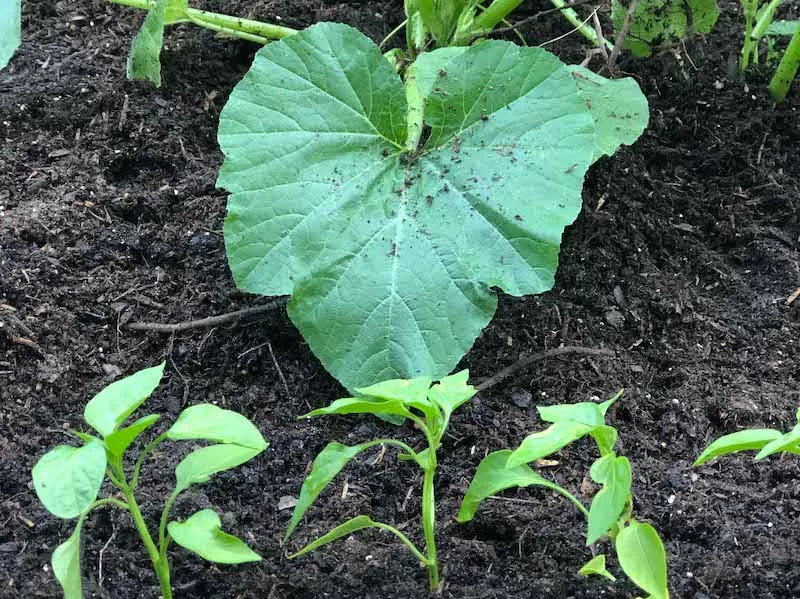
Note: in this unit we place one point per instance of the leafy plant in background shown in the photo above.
(389, 209)
(766, 441)
(639, 550)
(655, 23)
(429, 408)
(67, 479)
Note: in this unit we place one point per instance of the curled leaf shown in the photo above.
(202, 533)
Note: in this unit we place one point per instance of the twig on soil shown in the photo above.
(550, 353)
(280, 372)
(623, 32)
(211, 321)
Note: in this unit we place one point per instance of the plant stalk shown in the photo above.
(750, 8)
(429, 509)
(787, 69)
(583, 28)
(496, 12)
(248, 29)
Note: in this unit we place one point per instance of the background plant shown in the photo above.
(68, 479)
(390, 209)
(639, 550)
(429, 408)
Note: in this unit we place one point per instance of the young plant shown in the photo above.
(429, 408)
(68, 479)
(392, 209)
(766, 441)
(639, 550)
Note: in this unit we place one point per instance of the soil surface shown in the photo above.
(681, 262)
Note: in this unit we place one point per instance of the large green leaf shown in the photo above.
(739, 441)
(67, 479)
(118, 441)
(494, 475)
(328, 463)
(66, 562)
(10, 30)
(109, 408)
(203, 463)
(202, 533)
(376, 243)
(209, 422)
(614, 473)
(643, 559)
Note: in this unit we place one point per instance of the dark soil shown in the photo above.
(682, 261)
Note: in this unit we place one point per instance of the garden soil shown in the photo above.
(681, 262)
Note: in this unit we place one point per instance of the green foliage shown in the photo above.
(660, 22)
(430, 408)
(202, 534)
(334, 202)
(68, 479)
(144, 59)
(639, 550)
(10, 29)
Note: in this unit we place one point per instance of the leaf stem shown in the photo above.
(404, 539)
(163, 541)
(429, 509)
(787, 69)
(580, 25)
(496, 12)
(140, 460)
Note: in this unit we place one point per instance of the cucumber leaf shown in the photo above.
(212, 423)
(109, 408)
(66, 562)
(328, 463)
(494, 475)
(10, 29)
(202, 534)
(643, 559)
(67, 479)
(376, 244)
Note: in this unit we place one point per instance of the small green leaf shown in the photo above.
(451, 392)
(202, 533)
(203, 463)
(604, 406)
(209, 422)
(66, 562)
(585, 412)
(740, 441)
(782, 27)
(362, 405)
(109, 408)
(597, 565)
(328, 463)
(118, 441)
(605, 437)
(10, 30)
(614, 473)
(542, 444)
(494, 475)
(440, 17)
(144, 59)
(340, 531)
(786, 442)
(67, 479)
(641, 556)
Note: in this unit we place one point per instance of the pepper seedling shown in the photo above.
(429, 408)
(68, 479)
(639, 550)
(766, 441)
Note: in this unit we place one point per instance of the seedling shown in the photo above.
(429, 408)
(639, 550)
(766, 441)
(67, 479)
(391, 208)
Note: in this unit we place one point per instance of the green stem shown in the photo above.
(572, 498)
(429, 508)
(415, 111)
(583, 28)
(163, 543)
(140, 460)
(248, 29)
(765, 20)
(749, 7)
(161, 566)
(496, 12)
(404, 539)
(787, 69)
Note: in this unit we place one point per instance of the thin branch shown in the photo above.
(528, 20)
(211, 321)
(550, 353)
(626, 25)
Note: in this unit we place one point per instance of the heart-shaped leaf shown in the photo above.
(375, 242)
(67, 479)
(109, 408)
(10, 30)
(119, 441)
(614, 473)
(203, 463)
(202, 533)
(494, 475)
(66, 562)
(209, 422)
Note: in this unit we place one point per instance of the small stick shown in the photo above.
(211, 321)
(550, 353)
(623, 32)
